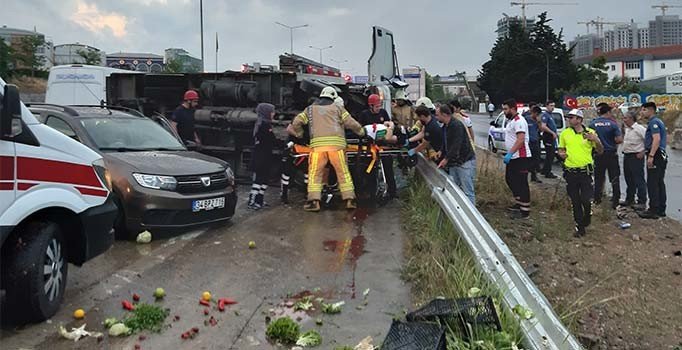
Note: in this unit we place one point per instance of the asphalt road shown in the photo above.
(673, 177)
(335, 254)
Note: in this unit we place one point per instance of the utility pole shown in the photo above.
(339, 63)
(291, 33)
(320, 48)
(201, 23)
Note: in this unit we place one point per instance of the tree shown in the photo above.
(518, 64)
(27, 53)
(90, 57)
(5, 60)
(173, 66)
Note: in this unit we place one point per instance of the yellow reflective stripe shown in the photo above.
(303, 116)
(314, 156)
(346, 172)
(328, 141)
(344, 115)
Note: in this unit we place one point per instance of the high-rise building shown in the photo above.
(665, 30)
(643, 37)
(585, 45)
(505, 23)
(71, 53)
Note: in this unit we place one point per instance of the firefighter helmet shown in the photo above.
(191, 95)
(329, 92)
(425, 101)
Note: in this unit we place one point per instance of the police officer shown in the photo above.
(576, 145)
(610, 136)
(533, 120)
(655, 141)
(549, 138)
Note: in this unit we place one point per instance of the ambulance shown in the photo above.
(55, 209)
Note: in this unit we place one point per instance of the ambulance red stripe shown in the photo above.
(43, 170)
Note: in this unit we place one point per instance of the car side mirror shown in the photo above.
(492, 123)
(10, 110)
(191, 145)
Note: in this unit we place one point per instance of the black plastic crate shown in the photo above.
(414, 336)
(476, 312)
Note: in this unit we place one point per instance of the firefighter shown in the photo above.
(263, 144)
(326, 122)
(182, 119)
(403, 113)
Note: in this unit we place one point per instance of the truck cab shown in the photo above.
(55, 209)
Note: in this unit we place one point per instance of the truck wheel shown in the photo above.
(34, 271)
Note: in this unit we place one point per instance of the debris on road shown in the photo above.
(136, 297)
(77, 333)
(204, 303)
(190, 334)
(332, 308)
(147, 317)
(252, 245)
(159, 293)
(119, 329)
(127, 305)
(206, 296)
(211, 321)
(365, 294)
(310, 338)
(79, 314)
(305, 304)
(144, 237)
(365, 344)
(109, 322)
(283, 330)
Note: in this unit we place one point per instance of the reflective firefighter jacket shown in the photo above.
(327, 124)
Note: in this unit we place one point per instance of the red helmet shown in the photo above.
(374, 100)
(191, 95)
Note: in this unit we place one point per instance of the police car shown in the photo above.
(497, 126)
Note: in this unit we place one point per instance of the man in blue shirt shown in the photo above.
(610, 136)
(549, 139)
(533, 120)
(655, 141)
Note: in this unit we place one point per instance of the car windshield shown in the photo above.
(129, 134)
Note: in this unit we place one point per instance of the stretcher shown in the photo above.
(365, 165)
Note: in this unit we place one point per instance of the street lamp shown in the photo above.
(291, 33)
(547, 81)
(320, 48)
(339, 63)
(419, 84)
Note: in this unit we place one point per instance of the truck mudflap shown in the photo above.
(98, 230)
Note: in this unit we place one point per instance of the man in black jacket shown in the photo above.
(457, 155)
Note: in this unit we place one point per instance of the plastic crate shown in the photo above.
(414, 336)
(476, 312)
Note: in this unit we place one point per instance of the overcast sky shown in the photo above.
(441, 36)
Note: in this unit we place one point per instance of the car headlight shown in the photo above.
(230, 176)
(157, 182)
(102, 173)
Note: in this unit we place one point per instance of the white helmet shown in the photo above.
(339, 102)
(400, 95)
(425, 101)
(329, 92)
(576, 112)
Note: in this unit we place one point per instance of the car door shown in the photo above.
(497, 131)
(61, 125)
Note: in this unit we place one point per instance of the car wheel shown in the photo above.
(121, 231)
(491, 145)
(34, 269)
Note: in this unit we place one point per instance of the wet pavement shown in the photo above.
(335, 254)
(673, 176)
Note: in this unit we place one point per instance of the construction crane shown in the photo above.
(599, 23)
(664, 7)
(524, 3)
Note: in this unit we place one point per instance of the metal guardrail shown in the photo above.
(543, 331)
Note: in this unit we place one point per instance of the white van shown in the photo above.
(55, 209)
(78, 84)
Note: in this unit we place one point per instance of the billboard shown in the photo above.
(667, 101)
(673, 83)
(416, 77)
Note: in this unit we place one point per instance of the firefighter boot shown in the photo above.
(313, 205)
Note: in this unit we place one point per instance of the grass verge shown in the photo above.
(439, 264)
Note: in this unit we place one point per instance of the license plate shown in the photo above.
(208, 204)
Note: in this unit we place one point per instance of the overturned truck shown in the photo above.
(227, 115)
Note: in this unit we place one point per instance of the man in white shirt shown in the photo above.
(633, 160)
(518, 159)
